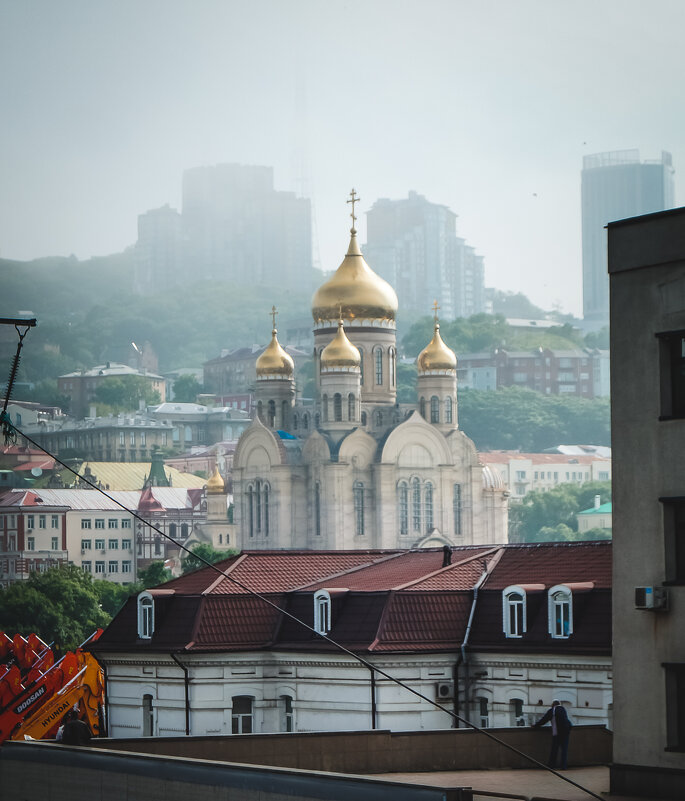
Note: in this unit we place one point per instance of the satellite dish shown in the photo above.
(36, 471)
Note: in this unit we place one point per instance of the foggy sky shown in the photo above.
(486, 106)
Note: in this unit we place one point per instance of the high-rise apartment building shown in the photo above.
(615, 186)
(414, 246)
(234, 226)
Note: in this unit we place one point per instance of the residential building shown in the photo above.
(355, 468)
(528, 472)
(196, 425)
(81, 386)
(647, 279)
(413, 245)
(538, 628)
(616, 185)
(234, 373)
(597, 516)
(161, 252)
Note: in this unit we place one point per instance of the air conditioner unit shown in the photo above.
(444, 690)
(655, 598)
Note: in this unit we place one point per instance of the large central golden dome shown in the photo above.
(354, 292)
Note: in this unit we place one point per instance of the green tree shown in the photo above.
(193, 560)
(113, 596)
(154, 574)
(598, 339)
(125, 392)
(60, 606)
(187, 388)
(406, 383)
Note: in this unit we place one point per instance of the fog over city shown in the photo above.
(485, 106)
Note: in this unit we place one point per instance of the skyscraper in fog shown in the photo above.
(414, 246)
(614, 186)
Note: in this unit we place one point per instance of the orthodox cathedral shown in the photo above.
(355, 469)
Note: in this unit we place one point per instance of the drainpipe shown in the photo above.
(373, 698)
(186, 681)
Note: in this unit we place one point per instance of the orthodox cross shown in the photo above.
(435, 308)
(353, 199)
(273, 313)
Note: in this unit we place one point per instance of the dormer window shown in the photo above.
(514, 611)
(560, 612)
(146, 616)
(322, 612)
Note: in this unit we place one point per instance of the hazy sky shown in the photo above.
(486, 106)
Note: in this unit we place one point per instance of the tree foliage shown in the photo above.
(122, 393)
(193, 560)
(154, 574)
(113, 596)
(187, 388)
(551, 515)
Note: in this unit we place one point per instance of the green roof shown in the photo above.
(604, 509)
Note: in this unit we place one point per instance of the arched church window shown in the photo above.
(456, 508)
(317, 420)
(322, 612)
(378, 418)
(337, 407)
(284, 414)
(358, 508)
(448, 409)
(403, 507)
(265, 508)
(392, 365)
(435, 409)
(317, 509)
(351, 407)
(363, 418)
(296, 422)
(146, 616)
(272, 414)
(184, 531)
(172, 530)
(361, 365)
(422, 408)
(324, 407)
(305, 421)
(416, 504)
(258, 506)
(379, 365)
(428, 507)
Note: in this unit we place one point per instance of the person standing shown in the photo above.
(561, 729)
(74, 730)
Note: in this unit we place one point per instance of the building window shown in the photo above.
(42, 521)
(422, 408)
(132, 438)
(560, 605)
(674, 540)
(87, 567)
(272, 413)
(287, 724)
(392, 360)
(99, 523)
(358, 508)
(416, 504)
(172, 530)
(113, 545)
(126, 545)
(456, 508)
(378, 418)
(241, 714)
(122, 440)
(296, 422)
(483, 712)
(187, 433)
(337, 407)
(672, 369)
(317, 509)
(265, 510)
(305, 421)
(86, 544)
(85, 523)
(146, 616)
(428, 507)
(322, 612)
(516, 707)
(403, 507)
(99, 567)
(285, 407)
(148, 717)
(448, 409)
(379, 366)
(113, 567)
(514, 612)
(30, 522)
(143, 439)
(324, 408)
(30, 543)
(112, 523)
(363, 418)
(55, 543)
(435, 409)
(675, 706)
(99, 545)
(250, 510)
(125, 567)
(54, 521)
(351, 407)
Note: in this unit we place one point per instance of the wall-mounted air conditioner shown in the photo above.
(444, 690)
(654, 598)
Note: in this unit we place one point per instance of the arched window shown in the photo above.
(272, 414)
(285, 406)
(305, 421)
(560, 606)
(363, 418)
(258, 506)
(392, 365)
(435, 409)
(351, 407)
(241, 714)
(324, 406)
(317, 509)
(516, 711)
(403, 507)
(379, 365)
(317, 420)
(337, 407)
(428, 508)
(359, 508)
(265, 509)
(422, 408)
(416, 504)
(514, 612)
(172, 530)
(188, 434)
(448, 409)
(456, 508)
(148, 716)
(483, 712)
(296, 422)
(378, 418)
(184, 531)
(361, 366)
(322, 612)
(287, 722)
(250, 510)
(146, 616)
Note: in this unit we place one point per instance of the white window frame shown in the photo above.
(507, 604)
(558, 596)
(146, 616)
(322, 612)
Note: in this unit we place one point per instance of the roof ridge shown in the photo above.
(490, 567)
(444, 569)
(241, 558)
(349, 570)
(389, 598)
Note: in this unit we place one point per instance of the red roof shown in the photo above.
(148, 502)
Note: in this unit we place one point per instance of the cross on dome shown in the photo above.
(273, 314)
(435, 308)
(353, 199)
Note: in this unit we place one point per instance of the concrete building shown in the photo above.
(647, 276)
(538, 628)
(616, 185)
(597, 516)
(161, 252)
(233, 373)
(413, 245)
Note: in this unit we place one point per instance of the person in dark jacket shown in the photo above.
(74, 731)
(561, 729)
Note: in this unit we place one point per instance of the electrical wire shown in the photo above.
(338, 646)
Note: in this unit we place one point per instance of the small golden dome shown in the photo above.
(354, 291)
(215, 485)
(436, 356)
(274, 361)
(340, 352)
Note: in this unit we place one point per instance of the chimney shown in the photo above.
(597, 501)
(93, 411)
(446, 555)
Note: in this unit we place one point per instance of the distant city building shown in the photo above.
(235, 373)
(577, 371)
(598, 516)
(614, 186)
(234, 226)
(414, 246)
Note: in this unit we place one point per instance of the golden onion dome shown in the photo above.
(354, 291)
(340, 352)
(274, 361)
(436, 356)
(215, 485)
